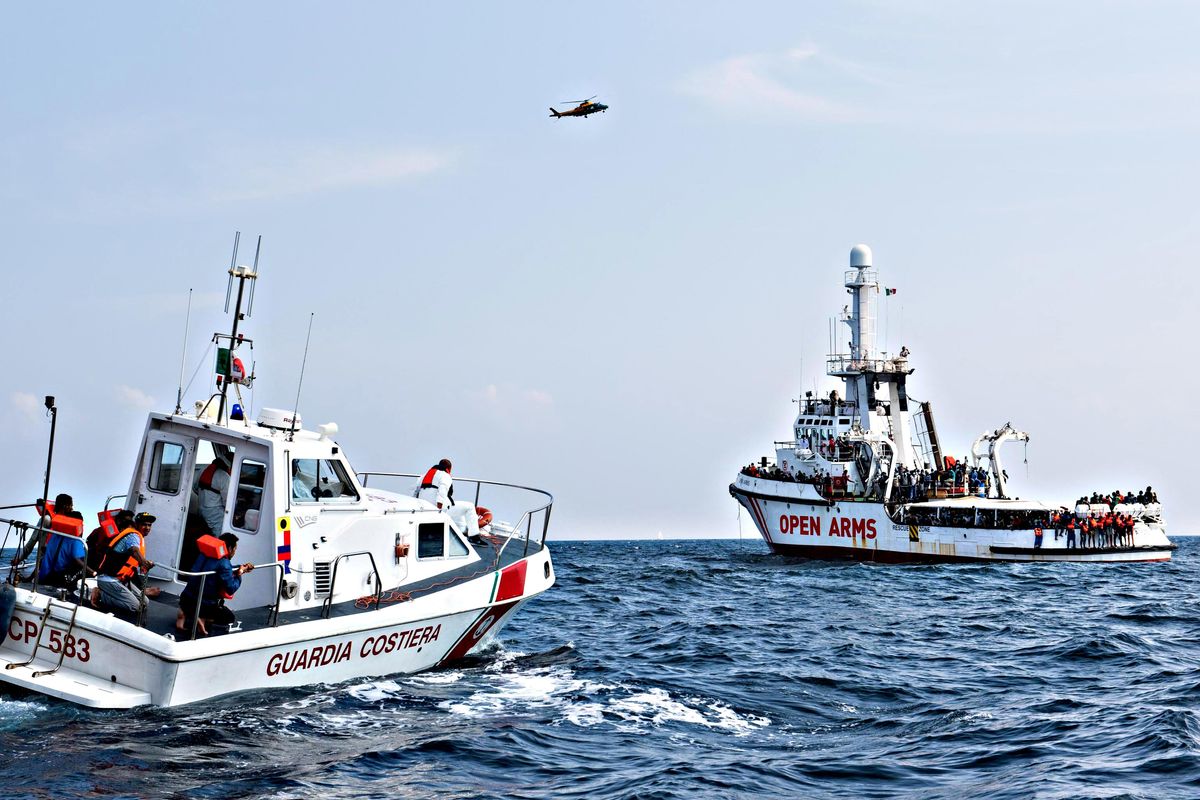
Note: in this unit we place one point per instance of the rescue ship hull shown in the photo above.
(794, 521)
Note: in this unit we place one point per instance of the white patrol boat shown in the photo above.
(865, 477)
(350, 580)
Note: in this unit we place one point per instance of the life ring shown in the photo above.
(485, 516)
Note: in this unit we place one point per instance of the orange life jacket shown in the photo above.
(61, 523)
(427, 481)
(206, 477)
(111, 564)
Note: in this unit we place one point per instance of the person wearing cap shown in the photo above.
(213, 489)
(120, 575)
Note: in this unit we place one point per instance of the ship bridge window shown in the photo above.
(844, 420)
(321, 480)
(166, 469)
(248, 506)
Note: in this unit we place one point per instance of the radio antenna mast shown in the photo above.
(183, 356)
(241, 274)
(300, 383)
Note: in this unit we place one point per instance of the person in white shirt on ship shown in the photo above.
(437, 487)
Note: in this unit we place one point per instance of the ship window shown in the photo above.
(431, 540)
(458, 547)
(321, 479)
(166, 467)
(248, 507)
(844, 420)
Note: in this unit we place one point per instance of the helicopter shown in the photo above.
(584, 108)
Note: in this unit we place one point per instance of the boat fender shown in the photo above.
(8, 601)
(212, 547)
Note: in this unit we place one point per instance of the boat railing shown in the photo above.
(533, 524)
(272, 616)
(837, 363)
(328, 604)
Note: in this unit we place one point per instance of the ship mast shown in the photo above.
(242, 274)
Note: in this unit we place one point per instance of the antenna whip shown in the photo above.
(303, 362)
(183, 356)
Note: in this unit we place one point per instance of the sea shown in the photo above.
(684, 669)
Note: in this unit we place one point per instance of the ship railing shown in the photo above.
(533, 524)
(272, 615)
(837, 363)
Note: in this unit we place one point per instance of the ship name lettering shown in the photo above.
(318, 656)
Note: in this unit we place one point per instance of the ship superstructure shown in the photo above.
(865, 476)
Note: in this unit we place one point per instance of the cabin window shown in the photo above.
(431, 540)
(844, 420)
(321, 480)
(166, 468)
(458, 548)
(248, 507)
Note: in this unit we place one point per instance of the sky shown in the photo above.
(618, 309)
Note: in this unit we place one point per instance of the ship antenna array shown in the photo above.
(242, 274)
(300, 383)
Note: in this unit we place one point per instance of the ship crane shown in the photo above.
(993, 440)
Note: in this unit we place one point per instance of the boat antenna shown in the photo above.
(300, 383)
(242, 274)
(183, 356)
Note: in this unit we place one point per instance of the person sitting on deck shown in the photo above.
(206, 606)
(65, 559)
(119, 588)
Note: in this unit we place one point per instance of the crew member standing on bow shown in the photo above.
(214, 486)
(119, 587)
(437, 486)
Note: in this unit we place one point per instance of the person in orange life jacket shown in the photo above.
(437, 486)
(97, 540)
(64, 505)
(65, 557)
(119, 587)
(214, 487)
(217, 588)
(1071, 533)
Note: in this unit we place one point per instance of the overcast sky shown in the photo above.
(619, 309)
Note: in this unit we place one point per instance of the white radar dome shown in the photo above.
(860, 256)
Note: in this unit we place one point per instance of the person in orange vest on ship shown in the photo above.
(437, 486)
(119, 588)
(64, 505)
(213, 489)
(218, 587)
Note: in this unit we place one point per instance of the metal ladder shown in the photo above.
(43, 625)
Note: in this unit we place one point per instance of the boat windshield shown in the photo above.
(321, 480)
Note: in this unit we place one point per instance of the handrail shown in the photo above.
(328, 604)
(526, 518)
(272, 616)
(362, 477)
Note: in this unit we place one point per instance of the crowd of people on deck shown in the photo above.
(956, 479)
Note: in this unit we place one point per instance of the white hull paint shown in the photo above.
(112, 664)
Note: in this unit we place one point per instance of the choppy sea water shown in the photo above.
(709, 669)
